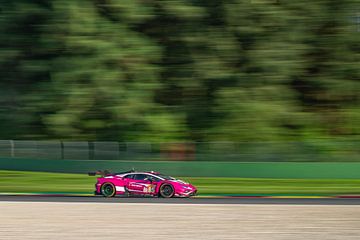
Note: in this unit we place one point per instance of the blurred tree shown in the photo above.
(298, 72)
(328, 84)
(23, 64)
(169, 70)
(103, 74)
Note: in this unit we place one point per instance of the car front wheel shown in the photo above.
(167, 191)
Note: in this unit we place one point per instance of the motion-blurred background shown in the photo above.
(191, 82)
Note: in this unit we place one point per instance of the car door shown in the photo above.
(140, 184)
(127, 179)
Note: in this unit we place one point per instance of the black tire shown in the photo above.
(166, 191)
(108, 190)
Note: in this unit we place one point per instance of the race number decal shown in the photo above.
(149, 188)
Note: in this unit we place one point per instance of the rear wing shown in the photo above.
(105, 173)
(100, 173)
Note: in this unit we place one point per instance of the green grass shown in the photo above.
(29, 182)
(258, 186)
(41, 182)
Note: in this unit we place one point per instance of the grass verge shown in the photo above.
(43, 182)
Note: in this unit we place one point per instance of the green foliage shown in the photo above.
(179, 70)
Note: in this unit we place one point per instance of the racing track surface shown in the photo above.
(219, 200)
(93, 218)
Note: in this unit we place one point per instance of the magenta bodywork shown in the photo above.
(129, 183)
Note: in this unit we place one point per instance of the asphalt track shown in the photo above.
(228, 200)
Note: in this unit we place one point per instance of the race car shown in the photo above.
(133, 183)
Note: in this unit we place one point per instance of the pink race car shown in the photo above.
(141, 184)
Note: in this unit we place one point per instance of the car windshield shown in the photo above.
(165, 177)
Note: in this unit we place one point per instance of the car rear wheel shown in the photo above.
(167, 191)
(108, 190)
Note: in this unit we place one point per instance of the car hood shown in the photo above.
(180, 182)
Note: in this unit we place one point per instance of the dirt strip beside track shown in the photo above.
(56, 220)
